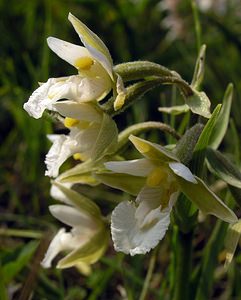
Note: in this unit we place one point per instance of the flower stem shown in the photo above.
(183, 265)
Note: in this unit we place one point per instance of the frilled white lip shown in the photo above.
(134, 237)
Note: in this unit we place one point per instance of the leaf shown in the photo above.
(11, 269)
(223, 168)
(199, 68)
(206, 200)
(222, 121)
(199, 103)
(127, 183)
(174, 110)
(203, 142)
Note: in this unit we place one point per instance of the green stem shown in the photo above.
(21, 233)
(143, 127)
(196, 24)
(183, 265)
(148, 275)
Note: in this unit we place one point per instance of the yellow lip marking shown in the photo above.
(70, 122)
(84, 63)
(77, 156)
(156, 177)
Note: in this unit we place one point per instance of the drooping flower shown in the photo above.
(157, 179)
(88, 238)
(95, 73)
(92, 135)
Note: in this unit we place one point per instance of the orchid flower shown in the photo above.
(92, 135)
(86, 241)
(157, 179)
(95, 73)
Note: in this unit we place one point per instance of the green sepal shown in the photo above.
(185, 146)
(89, 253)
(223, 168)
(231, 241)
(152, 150)
(124, 182)
(106, 141)
(199, 68)
(205, 199)
(81, 173)
(81, 202)
(222, 121)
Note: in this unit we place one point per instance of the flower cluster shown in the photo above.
(156, 180)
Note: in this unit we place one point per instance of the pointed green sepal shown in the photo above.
(152, 150)
(205, 199)
(81, 202)
(124, 182)
(106, 141)
(89, 253)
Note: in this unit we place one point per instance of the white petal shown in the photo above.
(73, 217)
(137, 167)
(67, 51)
(79, 111)
(62, 241)
(63, 147)
(182, 171)
(93, 43)
(39, 100)
(128, 237)
(148, 199)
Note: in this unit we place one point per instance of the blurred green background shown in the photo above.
(160, 31)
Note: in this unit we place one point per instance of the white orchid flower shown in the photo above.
(92, 135)
(87, 240)
(95, 73)
(138, 226)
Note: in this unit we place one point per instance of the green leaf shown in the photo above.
(174, 110)
(203, 142)
(89, 253)
(79, 201)
(127, 183)
(106, 141)
(222, 121)
(199, 103)
(223, 168)
(11, 269)
(206, 200)
(231, 241)
(199, 68)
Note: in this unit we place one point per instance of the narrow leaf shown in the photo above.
(223, 168)
(222, 121)
(199, 68)
(231, 241)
